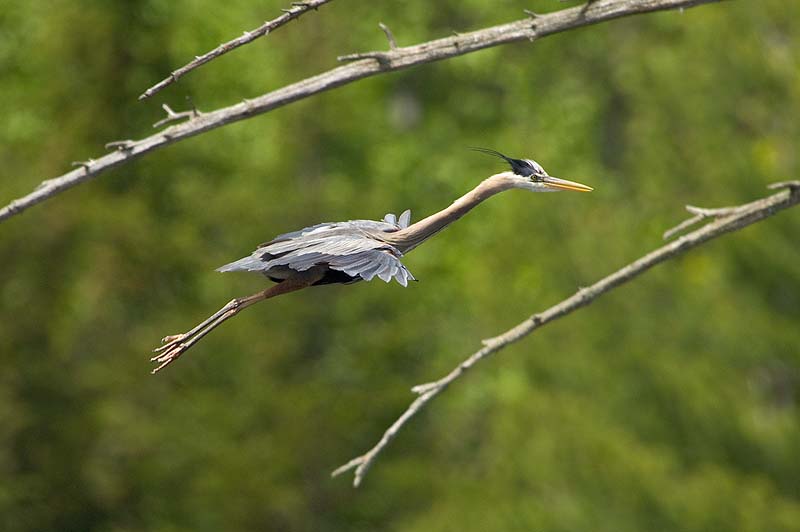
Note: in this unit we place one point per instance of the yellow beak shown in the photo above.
(563, 184)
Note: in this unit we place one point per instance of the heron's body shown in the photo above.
(347, 252)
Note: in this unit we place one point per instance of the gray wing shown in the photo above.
(345, 246)
(390, 223)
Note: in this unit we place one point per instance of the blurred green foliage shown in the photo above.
(670, 404)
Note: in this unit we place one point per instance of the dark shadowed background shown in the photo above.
(670, 404)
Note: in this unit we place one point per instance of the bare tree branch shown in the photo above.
(372, 63)
(298, 9)
(726, 220)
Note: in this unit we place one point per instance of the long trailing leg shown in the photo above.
(174, 346)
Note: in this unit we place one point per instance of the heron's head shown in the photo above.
(529, 175)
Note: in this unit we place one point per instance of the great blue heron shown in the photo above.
(348, 252)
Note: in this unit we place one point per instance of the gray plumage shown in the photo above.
(351, 251)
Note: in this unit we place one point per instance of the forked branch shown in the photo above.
(701, 213)
(724, 221)
(373, 63)
(297, 10)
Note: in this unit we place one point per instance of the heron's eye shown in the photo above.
(536, 170)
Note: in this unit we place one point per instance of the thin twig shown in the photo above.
(122, 145)
(389, 35)
(86, 165)
(297, 9)
(791, 185)
(172, 116)
(398, 59)
(741, 217)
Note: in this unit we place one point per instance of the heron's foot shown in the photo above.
(175, 345)
(169, 352)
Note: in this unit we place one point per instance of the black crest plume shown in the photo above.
(518, 166)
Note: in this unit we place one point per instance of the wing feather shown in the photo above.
(405, 219)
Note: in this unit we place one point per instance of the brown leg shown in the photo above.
(175, 345)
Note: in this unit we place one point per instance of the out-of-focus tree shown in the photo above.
(672, 404)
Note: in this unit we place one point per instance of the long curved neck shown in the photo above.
(407, 239)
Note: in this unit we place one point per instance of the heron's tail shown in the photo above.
(246, 264)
